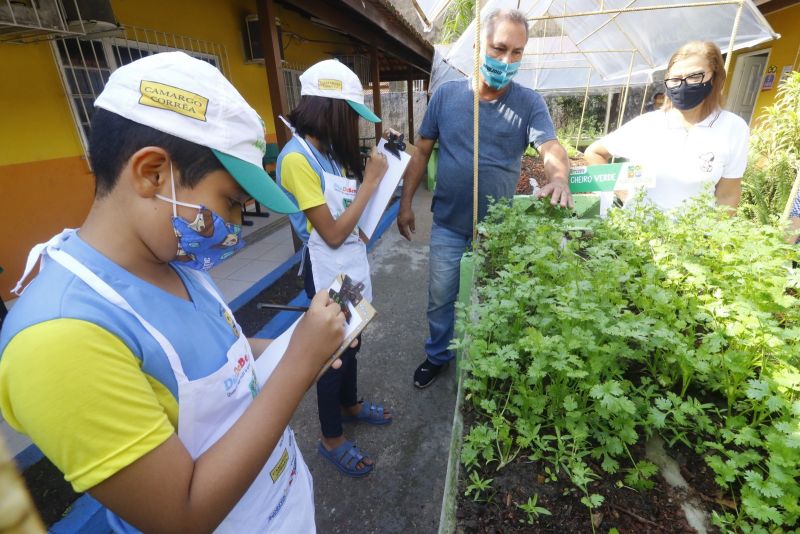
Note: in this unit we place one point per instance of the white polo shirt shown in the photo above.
(684, 162)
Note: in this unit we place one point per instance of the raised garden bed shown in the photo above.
(582, 353)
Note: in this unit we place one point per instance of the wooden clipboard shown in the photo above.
(361, 314)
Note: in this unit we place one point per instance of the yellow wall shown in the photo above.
(783, 52)
(45, 182)
(36, 122)
(306, 43)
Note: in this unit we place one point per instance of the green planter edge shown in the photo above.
(586, 207)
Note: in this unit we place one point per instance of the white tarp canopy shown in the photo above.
(608, 43)
(429, 10)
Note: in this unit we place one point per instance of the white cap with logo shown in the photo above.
(332, 79)
(191, 99)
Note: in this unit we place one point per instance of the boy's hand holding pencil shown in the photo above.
(320, 332)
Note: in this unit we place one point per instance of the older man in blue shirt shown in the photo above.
(511, 118)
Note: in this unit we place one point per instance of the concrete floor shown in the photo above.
(404, 491)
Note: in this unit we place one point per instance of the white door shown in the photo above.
(746, 84)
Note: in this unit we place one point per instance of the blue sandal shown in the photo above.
(370, 413)
(346, 458)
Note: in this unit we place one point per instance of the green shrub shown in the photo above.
(774, 156)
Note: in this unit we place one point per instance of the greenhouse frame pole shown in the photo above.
(577, 52)
(735, 30)
(636, 9)
(624, 102)
(603, 25)
(583, 111)
(475, 119)
(644, 98)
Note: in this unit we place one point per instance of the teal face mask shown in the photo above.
(496, 73)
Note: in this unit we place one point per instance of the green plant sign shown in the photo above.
(608, 177)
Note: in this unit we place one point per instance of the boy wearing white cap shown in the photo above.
(122, 361)
(313, 169)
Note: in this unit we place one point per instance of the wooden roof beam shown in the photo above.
(366, 31)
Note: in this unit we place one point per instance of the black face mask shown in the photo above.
(689, 96)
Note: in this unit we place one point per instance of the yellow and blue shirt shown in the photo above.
(300, 176)
(90, 386)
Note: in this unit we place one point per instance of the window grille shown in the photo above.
(86, 65)
(291, 82)
(359, 64)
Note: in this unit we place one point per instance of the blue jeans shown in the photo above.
(447, 247)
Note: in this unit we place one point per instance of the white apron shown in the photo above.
(281, 497)
(351, 256)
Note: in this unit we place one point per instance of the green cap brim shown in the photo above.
(364, 111)
(257, 183)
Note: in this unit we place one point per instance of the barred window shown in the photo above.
(86, 65)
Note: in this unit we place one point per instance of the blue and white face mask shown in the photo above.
(205, 242)
(496, 73)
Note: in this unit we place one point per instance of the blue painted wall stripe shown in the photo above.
(27, 457)
(87, 516)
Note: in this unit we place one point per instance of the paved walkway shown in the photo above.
(404, 491)
(261, 255)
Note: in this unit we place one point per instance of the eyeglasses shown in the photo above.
(692, 79)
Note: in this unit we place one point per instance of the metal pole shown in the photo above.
(606, 23)
(583, 111)
(627, 89)
(635, 9)
(644, 99)
(608, 110)
(729, 55)
(475, 118)
(575, 52)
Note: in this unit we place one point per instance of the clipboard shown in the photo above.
(380, 198)
(361, 313)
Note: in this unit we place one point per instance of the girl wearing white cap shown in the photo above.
(312, 168)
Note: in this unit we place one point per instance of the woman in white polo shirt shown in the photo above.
(689, 144)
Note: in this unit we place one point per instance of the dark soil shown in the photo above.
(532, 167)
(283, 290)
(51, 494)
(629, 511)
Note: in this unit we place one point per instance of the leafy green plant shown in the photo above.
(584, 342)
(459, 15)
(479, 488)
(533, 510)
(774, 156)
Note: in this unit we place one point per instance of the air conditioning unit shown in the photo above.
(90, 17)
(25, 20)
(253, 48)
